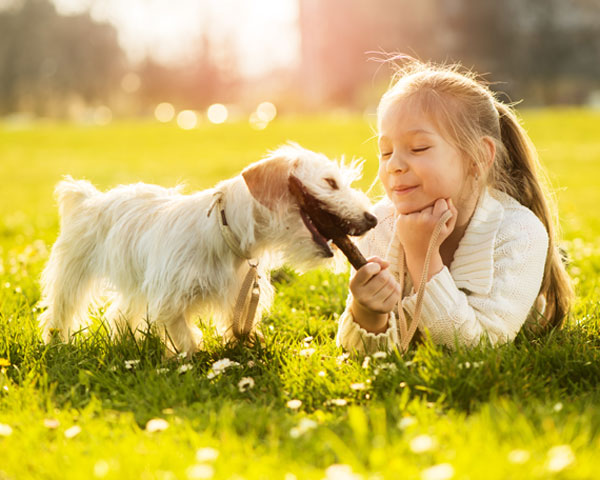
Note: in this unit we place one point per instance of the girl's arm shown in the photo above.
(492, 291)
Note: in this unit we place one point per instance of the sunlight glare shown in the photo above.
(187, 119)
(164, 112)
(131, 82)
(256, 122)
(217, 113)
(266, 111)
(102, 115)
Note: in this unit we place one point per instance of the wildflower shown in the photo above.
(340, 472)
(366, 362)
(379, 355)
(357, 386)
(5, 430)
(307, 352)
(156, 425)
(251, 363)
(307, 340)
(101, 468)
(185, 367)
(558, 407)
(342, 358)
(294, 404)
(406, 422)
(442, 471)
(246, 383)
(207, 454)
(200, 471)
(422, 444)
(72, 431)
(338, 402)
(559, 458)
(305, 425)
(162, 370)
(518, 456)
(322, 373)
(221, 365)
(51, 423)
(4, 362)
(129, 364)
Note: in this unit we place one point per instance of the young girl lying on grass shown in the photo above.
(454, 157)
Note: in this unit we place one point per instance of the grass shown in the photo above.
(525, 410)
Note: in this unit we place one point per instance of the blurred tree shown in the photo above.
(546, 51)
(339, 36)
(193, 84)
(46, 59)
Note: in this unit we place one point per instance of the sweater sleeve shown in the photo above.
(451, 314)
(352, 337)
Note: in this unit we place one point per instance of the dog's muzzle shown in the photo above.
(325, 225)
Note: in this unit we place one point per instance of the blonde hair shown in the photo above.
(466, 110)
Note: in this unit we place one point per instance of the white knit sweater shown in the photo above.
(489, 289)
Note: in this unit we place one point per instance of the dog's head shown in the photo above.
(312, 198)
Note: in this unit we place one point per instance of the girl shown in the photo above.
(454, 157)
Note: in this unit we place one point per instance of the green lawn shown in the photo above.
(526, 410)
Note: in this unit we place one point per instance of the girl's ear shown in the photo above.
(267, 180)
(490, 148)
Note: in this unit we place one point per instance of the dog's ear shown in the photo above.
(267, 180)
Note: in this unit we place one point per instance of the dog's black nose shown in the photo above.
(371, 219)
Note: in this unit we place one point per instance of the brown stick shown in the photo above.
(351, 251)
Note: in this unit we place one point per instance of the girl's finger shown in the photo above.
(439, 207)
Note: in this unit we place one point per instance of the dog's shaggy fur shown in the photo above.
(163, 255)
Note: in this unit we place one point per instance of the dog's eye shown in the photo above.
(332, 183)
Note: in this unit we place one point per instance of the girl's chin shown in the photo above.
(405, 208)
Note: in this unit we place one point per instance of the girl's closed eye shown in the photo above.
(385, 154)
(420, 149)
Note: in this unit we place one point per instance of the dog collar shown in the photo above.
(246, 304)
(230, 239)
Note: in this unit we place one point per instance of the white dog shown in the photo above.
(168, 256)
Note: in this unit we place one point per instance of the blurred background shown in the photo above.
(188, 61)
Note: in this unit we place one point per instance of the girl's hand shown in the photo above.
(375, 293)
(415, 230)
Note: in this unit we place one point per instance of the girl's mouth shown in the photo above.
(404, 190)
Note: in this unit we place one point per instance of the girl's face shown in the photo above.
(417, 165)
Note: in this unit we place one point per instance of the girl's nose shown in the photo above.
(397, 163)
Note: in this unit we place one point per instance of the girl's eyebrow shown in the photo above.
(411, 132)
(416, 131)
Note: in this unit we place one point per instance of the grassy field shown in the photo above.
(91, 409)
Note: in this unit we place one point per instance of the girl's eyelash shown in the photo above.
(386, 154)
(420, 149)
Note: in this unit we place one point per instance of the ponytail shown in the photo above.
(518, 174)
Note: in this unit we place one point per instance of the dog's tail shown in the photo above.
(69, 193)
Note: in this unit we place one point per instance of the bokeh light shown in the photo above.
(187, 119)
(164, 112)
(131, 82)
(102, 115)
(217, 113)
(256, 122)
(266, 111)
